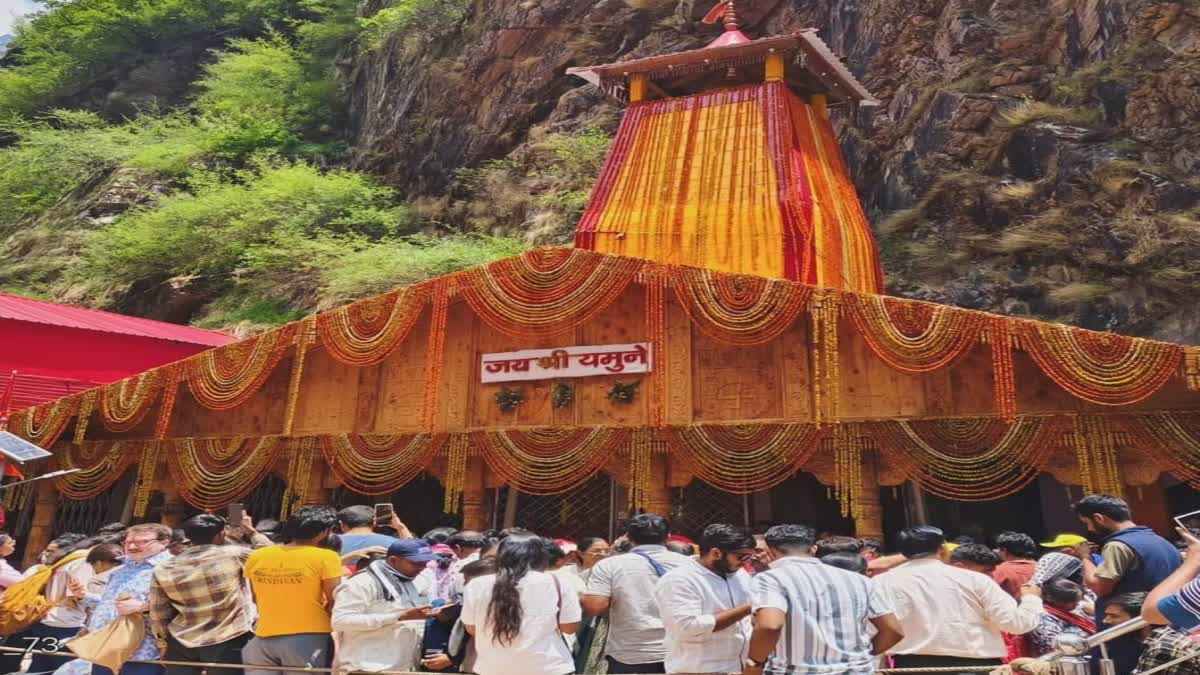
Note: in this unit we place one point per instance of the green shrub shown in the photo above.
(259, 95)
(273, 219)
(383, 265)
(414, 19)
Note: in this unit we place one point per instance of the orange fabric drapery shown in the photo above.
(747, 180)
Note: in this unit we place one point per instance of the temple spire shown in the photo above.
(733, 35)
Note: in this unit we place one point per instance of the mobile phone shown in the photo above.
(235, 514)
(1179, 520)
(383, 515)
(446, 606)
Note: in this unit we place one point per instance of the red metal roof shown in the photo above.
(16, 308)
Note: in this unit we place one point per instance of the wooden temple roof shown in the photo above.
(691, 71)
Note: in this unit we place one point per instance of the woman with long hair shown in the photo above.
(519, 615)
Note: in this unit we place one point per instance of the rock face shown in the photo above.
(1034, 157)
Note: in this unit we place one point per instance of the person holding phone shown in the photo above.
(379, 613)
(360, 527)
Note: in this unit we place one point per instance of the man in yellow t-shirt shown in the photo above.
(293, 587)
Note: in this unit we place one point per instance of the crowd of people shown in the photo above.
(340, 589)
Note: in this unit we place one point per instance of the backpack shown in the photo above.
(23, 604)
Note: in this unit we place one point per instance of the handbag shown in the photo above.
(112, 645)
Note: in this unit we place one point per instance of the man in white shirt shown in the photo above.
(823, 613)
(623, 586)
(379, 614)
(705, 605)
(951, 616)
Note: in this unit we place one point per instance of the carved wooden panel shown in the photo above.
(622, 323)
(678, 364)
(797, 375)
(735, 383)
(461, 368)
(402, 387)
(327, 401)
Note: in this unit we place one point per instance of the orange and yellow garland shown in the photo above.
(547, 461)
(124, 404)
(913, 337)
(224, 378)
(376, 464)
(1101, 368)
(100, 464)
(364, 333)
(737, 309)
(211, 473)
(745, 458)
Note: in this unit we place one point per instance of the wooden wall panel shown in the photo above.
(328, 395)
(796, 373)
(735, 383)
(260, 416)
(401, 391)
(622, 323)
(678, 363)
(461, 368)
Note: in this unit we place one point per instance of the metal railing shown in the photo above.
(1070, 656)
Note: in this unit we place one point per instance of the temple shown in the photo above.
(714, 348)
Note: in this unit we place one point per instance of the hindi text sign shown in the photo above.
(583, 361)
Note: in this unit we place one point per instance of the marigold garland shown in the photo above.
(299, 474)
(456, 473)
(1096, 452)
(1177, 435)
(548, 461)
(305, 337)
(968, 473)
(826, 361)
(1101, 368)
(656, 332)
(911, 336)
(364, 333)
(16, 499)
(376, 464)
(738, 309)
(224, 378)
(1191, 367)
(147, 471)
(745, 458)
(435, 354)
(641, 463)
(100, 464)
(546, 292)
(87, 405)
(44, 424)
(214, 472)
(999, 335)
(848, 469)
(170, 389)
(124, 404)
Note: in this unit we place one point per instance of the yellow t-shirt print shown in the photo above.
(287, 588)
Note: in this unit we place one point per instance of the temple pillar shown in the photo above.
(658, 500)
(42, 530)
(774, 67)
(870, 523)
(473, 512)
(174, 509)
(1150, 508)
(820, 104)
(637, 88)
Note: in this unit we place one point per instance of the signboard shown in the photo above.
(547, 364)
(18, 449)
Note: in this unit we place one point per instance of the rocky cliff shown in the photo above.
(1030, 157)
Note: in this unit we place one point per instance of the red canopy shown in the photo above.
(57, 349)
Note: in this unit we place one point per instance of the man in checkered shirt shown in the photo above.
(200, 609)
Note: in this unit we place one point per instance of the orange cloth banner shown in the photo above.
(747, 180)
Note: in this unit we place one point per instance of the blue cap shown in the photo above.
(413, 550)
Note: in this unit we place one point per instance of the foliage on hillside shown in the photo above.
(233, 206)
